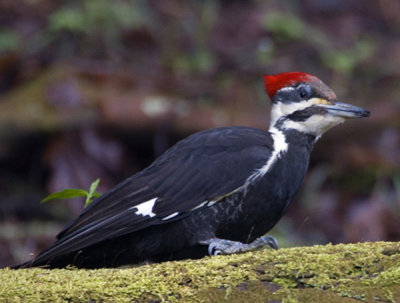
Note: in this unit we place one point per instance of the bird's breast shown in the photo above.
(253, 211)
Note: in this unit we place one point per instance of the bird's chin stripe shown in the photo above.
(315, 125)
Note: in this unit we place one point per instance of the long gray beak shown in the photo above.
(345, 110)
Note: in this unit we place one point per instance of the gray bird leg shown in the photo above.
(218, 246)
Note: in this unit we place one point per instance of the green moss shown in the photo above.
(337, 273)
(389, 277)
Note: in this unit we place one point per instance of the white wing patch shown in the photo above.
(200, 205)
(211, 203)
(205, 204)
(145, 208)
(170, 216)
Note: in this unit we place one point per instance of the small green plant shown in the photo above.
(75, 193)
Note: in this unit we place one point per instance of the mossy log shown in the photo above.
(366, 272)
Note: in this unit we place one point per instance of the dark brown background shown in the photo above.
(97, 89)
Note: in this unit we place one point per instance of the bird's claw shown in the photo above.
(213, 250)
(218, 247)
(268, 240)
(223, 247)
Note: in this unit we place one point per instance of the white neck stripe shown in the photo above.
(280, 146)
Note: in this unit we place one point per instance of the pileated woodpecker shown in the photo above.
(217, 191)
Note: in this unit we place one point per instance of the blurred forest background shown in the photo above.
(97, 89)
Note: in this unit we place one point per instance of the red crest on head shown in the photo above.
(273, 83)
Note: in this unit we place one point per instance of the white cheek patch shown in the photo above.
(284, 109)
(145, 208)
(315, 125)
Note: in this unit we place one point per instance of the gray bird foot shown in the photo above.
(218, 246)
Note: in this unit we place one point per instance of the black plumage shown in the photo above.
(200, 168)
(219, 190)
(203, 167)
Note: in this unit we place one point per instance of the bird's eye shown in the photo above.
(304, 92)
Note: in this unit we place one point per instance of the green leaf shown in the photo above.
(93, 187)
(92, 192)
(96, 194)
(66, 194)
(75, 193)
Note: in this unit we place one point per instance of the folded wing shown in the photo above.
(201, 168)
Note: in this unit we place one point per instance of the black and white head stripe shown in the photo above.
(302, 106)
